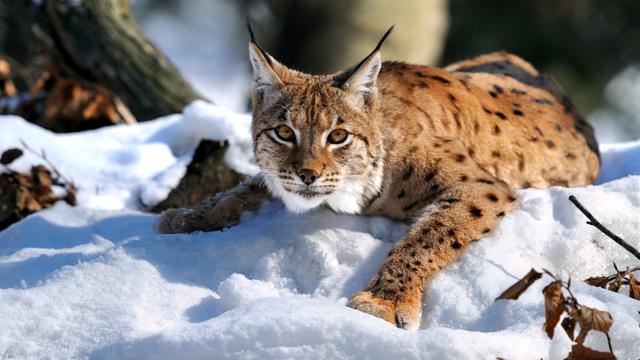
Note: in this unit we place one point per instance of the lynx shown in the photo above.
(443, 149)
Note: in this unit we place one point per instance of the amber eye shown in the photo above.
(285, 133)
(337, 136)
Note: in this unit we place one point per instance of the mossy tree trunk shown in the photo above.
(100, 43)
(99, 46)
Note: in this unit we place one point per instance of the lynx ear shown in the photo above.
(266, 72)
(361, 78)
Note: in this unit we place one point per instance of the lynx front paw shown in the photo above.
(189, 220)
(405, 315)
(173, 221)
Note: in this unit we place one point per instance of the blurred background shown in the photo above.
(592, 47)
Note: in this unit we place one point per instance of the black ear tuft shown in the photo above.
(250, 28)
(341, 78)
(253, 41)
(384, 37)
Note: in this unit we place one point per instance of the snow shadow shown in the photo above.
(34, 248)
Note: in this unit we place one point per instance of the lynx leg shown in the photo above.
(222, 210)
(462, 213)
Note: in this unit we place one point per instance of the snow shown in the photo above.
(120, 166)
(95, 281)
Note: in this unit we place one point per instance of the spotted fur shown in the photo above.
(441, 148)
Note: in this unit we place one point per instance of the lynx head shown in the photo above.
(316, 139)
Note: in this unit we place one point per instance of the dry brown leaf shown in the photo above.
(10, 155)
(615, 284)
(8, 88)
(514, 292)
(70, 198)
(634, 287)
(598, 281)
(569, 326)
(553, 306)
(580, 352)
(591, 319)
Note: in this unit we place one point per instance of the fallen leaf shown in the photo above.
(615, 284)
(514, 292)
(8, 156)
(569, 326)
(634, 287)
(553, 305)
(598, 281)
(580, 352)
(70, 198)
(591, 319)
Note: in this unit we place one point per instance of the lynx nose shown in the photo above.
(308, 176)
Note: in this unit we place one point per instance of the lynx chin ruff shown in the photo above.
(441, 148)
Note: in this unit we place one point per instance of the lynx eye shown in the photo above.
(285, 133)
(337, 136)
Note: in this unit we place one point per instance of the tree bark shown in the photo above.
(207, 175)
(98, 42)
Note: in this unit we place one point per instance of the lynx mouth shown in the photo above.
(309, 193)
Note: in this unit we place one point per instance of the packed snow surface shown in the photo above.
(95, 281)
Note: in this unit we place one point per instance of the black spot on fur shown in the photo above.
(486, 181)
(495, 153)
(486, 230)
(558, 127)
(440, 79)
(516, 91)
(408, 170)
(500, 214)
(492, 197)
(496, 129)
(430, 175)
(464, 178)
(487, 110)
(517, 112)
(520, 162)
(401, 194)
(501, 115)
(550, 144)
(451, 232)
(460, 158)
(543, 101)
(475, 212)
(456, 245)
(450, 200)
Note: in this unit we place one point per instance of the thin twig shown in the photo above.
(609, 342)
(575, 301)
(595, 223)
(43, 156)
(611, 277)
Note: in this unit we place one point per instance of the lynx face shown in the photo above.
(311, 136)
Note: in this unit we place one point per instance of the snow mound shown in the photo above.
(94, 281)
(118, 166)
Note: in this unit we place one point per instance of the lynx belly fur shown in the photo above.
(442, 149)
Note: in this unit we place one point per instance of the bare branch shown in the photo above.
(595, 223)
(43, 156)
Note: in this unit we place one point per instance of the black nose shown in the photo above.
(308, 176)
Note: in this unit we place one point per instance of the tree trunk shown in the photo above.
(98, 42)
(207, 175)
